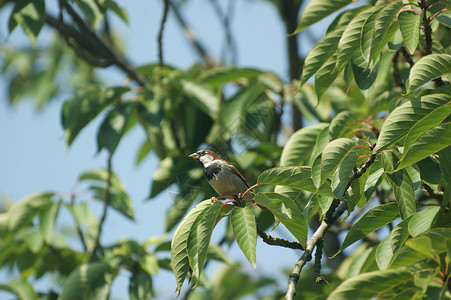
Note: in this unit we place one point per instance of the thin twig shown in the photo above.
(77, 226)
(106, 203)
(273, 241)
(434, 194)
(160, 32)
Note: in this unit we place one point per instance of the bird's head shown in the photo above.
(204, 156)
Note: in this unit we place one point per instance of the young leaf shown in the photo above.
(409, 24)
(317, 10)
(244, 228)
(401, 119)
(26, 209)
(372, 220)
(433, 140)
(287, 212)
(300, 145)
(334, 154)
(179, 254)
(429, 67)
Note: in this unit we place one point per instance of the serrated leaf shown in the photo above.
(300, 145)
(287, 212)
(294, 177)
(429, 67)
(409, 25)
(179, 253)
(334, 154)
(422, 220)
(244, 228)
(350, 39)
(372, 220)
(401, 119)
(316, 10)
(370, 285)
(199, 238)
(325, 76)
(319, 54)
(89, 281)
(430, 142)
(383, 28)
(403, 190)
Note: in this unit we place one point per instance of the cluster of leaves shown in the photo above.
(369, 108)
(404, 151)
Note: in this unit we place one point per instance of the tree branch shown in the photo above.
(106, 203)
(434, 194)
(160, 32)
(273, 241)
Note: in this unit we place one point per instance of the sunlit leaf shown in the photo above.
(429, 67)
(334, 155)
(343, 124)
(372, 220)
(30, 15)
(402, 186)
(409, 24)
(422, 221)
(25, 210)
(245, 231)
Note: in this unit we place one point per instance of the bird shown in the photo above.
(223, 177)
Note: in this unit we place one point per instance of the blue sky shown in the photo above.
(33, 156)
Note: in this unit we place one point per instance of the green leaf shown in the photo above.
(33, 240)
(404, 117)
(325, 76)
(370, 285)
(320, 53)
(422, 220)
(199, 238)
(400, 234)
(334, 155)
(244, 228)
(445, 165)
(409, 25)
(343, 124)
(30, 15)
(89, 281)
(22, 213)
(218, 76)
(91, 10)
(299, 178)
(402, 186)
(372, 220)
(47, 221)
(342, 174)
(287, 212)
(119, 198)
(429, 67)
(203, 97)
(366, 36)
(300, 145)
(114, 126)
(140, 286)
(433, 140)
(317, 10)
(23, 290)
(120, 12)
(381, 31)
(179, 254)
(444, 18)
(384, 253)
(363, 75)
(350, 40)
(78, 111)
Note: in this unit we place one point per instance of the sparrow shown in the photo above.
(224, 178)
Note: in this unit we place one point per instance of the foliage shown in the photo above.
(379, 150)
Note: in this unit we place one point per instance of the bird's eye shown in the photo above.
(202, 153)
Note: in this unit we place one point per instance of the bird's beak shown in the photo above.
(194, 156)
